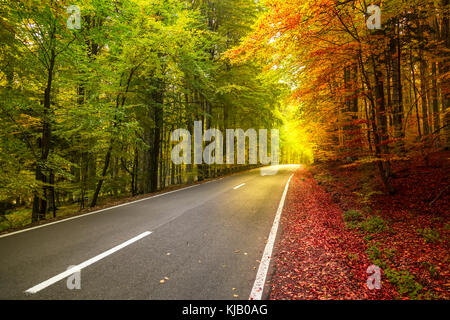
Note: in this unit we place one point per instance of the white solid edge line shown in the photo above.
(239, 186)
(258, 286)
(83, 265)
(102, 210)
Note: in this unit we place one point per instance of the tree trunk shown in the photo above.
(157, 108)
(397, 96)
(423, 83)
(380, 127)
(40, 203)
(434, 95)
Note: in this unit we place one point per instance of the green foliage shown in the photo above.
(353, 218)
(373, 224)
(402, 279)
(353, 215)
(366, 194)
(405, 283)
(353, 256)
(134, 70)
(367, 209)
(380, 257)
(16, 219)
(430, 235)
(368, 237)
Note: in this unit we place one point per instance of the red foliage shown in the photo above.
(318, 258)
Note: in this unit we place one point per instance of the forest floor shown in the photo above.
(338, 220)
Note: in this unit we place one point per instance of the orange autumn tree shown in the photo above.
(369, 95)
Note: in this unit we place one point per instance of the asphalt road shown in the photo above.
(204, 241)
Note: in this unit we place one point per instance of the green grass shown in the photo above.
(383, 258)
(22, 216)
(380, 257)
(366, 194)
(402, 279)
(372, 224)
(405, 283)
(16, 219)
(353, 218)
(430, 235)
(352, 256)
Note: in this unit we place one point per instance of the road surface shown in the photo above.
(203, 241)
